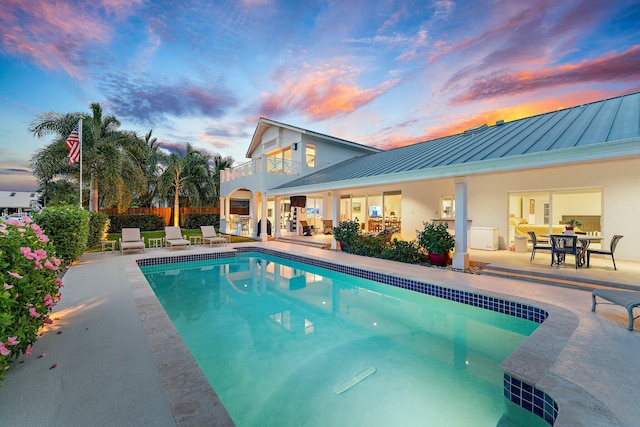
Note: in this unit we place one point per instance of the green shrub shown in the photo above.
(194, 221)
(368, 245)
(403, 251)
(68, 229)
(98, 227)
(435, 238)
(30, 287)
(145, 222)
(345, 233)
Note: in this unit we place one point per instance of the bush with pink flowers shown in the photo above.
(29, 287)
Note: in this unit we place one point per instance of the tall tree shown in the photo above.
(151, 160)
(106, 155)
(219, 164)
(183, 176)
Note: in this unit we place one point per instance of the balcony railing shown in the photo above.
(274, 165)
(281, 166)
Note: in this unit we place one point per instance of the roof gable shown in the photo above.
(264, 124)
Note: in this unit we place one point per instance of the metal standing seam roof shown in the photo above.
(589, 132)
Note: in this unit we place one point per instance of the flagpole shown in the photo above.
(80, 139)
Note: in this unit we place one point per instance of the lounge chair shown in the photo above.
(612, 249)
(327, 226)
(209, 236)
(131, 240)
(626, 299)
(306, 228)
(173, 237)
(536, 245)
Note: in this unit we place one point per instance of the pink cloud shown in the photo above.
(624, 66)
(55, 33)
(321, 94)
(526, 33)
(120, 7)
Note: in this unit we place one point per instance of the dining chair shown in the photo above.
(612, 247)
(536, 245)
(561, 246)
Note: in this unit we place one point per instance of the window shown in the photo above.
(310, 153)
(280, 162)
(447, 207)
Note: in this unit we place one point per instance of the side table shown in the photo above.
(155, 242)
(111, 243)
(195, 240)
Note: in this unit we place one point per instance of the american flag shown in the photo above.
(73, 144)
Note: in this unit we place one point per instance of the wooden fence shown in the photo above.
(166, 213)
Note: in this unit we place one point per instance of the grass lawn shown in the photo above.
(160, 233)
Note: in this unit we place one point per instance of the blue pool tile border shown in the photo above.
(530, 398)
(517, 391)
(144, 262)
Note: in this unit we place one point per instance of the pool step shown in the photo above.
(549, 279)
(311, 243)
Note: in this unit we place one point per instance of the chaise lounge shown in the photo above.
(131, 240)
(173, 237)
(626, 299)
(209, 236)
(306, 228)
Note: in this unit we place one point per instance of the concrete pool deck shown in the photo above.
(120, 362)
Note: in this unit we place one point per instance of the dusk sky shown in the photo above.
(382, 73)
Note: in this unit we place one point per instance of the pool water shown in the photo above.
(288, 344)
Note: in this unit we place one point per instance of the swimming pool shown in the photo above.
(286, 343)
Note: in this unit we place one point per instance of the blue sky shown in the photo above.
(381, 73)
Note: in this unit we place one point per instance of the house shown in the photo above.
(279, 153)
(581, 162)
(17, 202)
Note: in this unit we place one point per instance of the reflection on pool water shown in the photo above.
(285, 343)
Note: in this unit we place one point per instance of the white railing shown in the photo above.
(279, 166)
(274, 165)
(229, 174)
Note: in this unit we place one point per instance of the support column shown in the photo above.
(254, 214)
(263, 218)
(277, 219)
(335, 214)
(223, 215)
(461, 256)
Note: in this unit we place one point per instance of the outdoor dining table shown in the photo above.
(584, 239)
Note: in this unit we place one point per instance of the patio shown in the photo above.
(120, 362)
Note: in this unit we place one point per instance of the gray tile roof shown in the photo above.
(590, 132)
(17, 199)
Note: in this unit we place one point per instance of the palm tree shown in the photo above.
(185, 175)
(219, 164)
(106, 155)
(151, 161)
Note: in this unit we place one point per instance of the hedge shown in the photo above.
(145, 222)
(194, 221)
(98, 227)
(68, 228)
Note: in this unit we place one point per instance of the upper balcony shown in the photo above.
(270, 165)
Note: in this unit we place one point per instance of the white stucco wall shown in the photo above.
(489, 199)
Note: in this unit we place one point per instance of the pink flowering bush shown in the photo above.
(29, 287)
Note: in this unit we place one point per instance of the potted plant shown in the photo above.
(437, 241)
(345, 233)
(571, 224)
